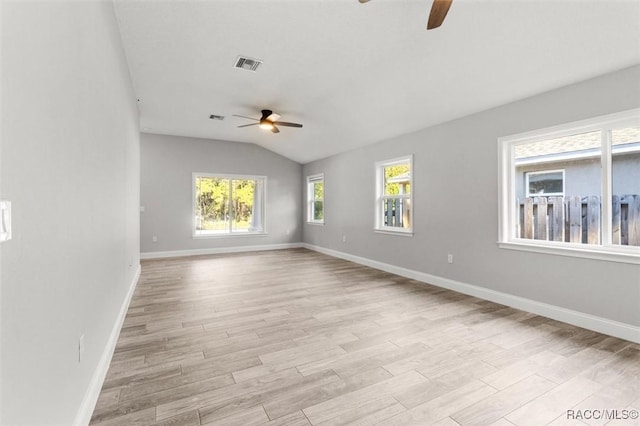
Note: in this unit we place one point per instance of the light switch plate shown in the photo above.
(5, 220)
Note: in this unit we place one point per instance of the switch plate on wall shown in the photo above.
(5, 220)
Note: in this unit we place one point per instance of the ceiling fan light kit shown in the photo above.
(266, 124)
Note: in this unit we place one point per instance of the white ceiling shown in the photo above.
(353, 73)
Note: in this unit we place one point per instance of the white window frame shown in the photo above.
(543, 172)
(229, 232)
(311, 199)
(379, 213)
(507, 189)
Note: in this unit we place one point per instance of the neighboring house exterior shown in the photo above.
(571, 166)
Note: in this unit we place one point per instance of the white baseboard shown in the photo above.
(580, 319)
(83, 417)
(221, 250)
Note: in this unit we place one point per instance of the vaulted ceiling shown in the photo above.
(353, 73)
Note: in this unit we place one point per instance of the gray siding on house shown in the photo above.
(626, 175)
(456, 204)
(583, 177)
(168, 163)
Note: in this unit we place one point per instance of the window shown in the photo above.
(574, 189)
(394, 184)
(545, 183)
(228, 205)
(315, 199)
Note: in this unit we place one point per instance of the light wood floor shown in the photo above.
(293, 337)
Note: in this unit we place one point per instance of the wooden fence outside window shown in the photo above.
(577, 219)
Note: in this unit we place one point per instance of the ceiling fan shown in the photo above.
(268, 121)
(439, 11)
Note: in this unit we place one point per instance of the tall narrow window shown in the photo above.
(228, 205)
(574, 189)
(394, 185)
(315, 199)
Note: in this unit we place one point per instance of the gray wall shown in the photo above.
(70, 165)
(166, 183)
(456, 204)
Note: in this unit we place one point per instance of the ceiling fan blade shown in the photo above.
(286, 124)
(247, 125)
(439, 11)
(244, 116)
(274, 129)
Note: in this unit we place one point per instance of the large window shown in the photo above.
(394, 186)
(315, 199)
(574, 189)
(228, 205)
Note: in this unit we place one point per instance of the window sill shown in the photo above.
(238, 234)
(407, 233)
(596, 253)
(315, 223)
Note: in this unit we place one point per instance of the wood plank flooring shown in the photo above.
(294, 337)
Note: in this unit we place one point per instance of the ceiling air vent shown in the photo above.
(250, 64)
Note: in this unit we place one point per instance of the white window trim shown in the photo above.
(543, 172)
(311, 198)
(379, 219)
(229, 234)
(506, 190)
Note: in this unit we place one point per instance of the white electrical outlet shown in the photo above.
(80, 348)
(5, 220)
(344, 238)
(154, 239)
(141, 209)
(450, 258)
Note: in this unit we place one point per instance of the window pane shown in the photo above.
(544, 211)
(212, 203)
(625, 171)
(242, 205)
(318, 210)
(318, 190)
(396, 212)
(318, 204)
(397, 179)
